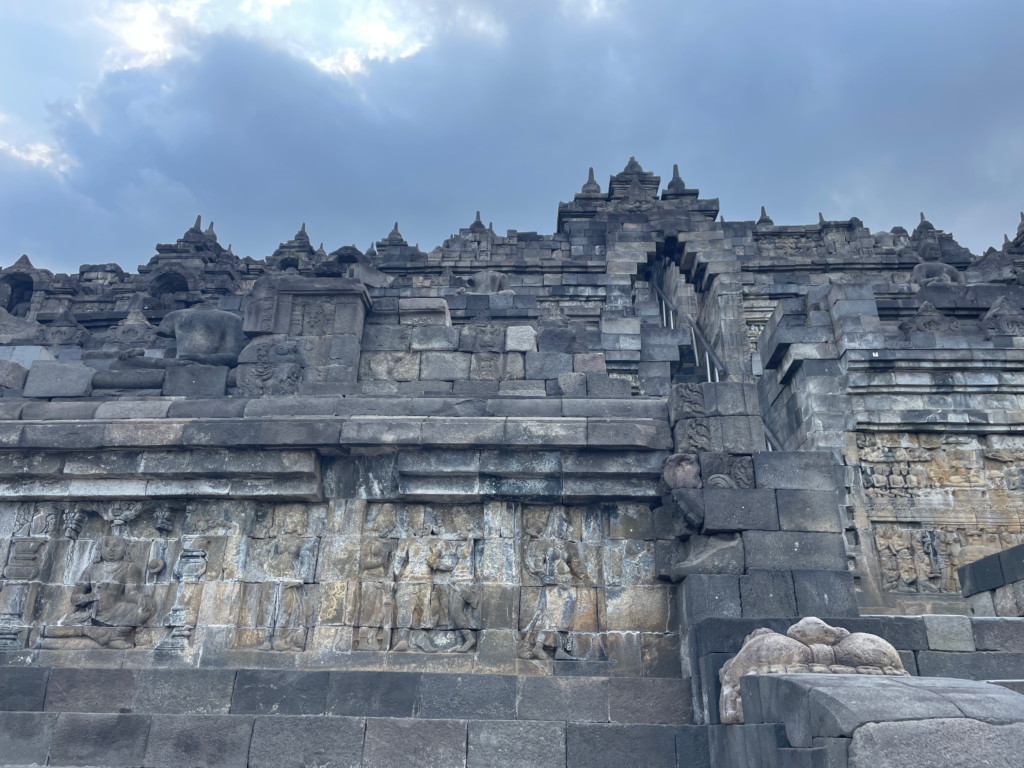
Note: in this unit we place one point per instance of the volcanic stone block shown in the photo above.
(25, 737)
(445, 366)
(949, 633)
(512, 744)
(279, 692)
(999, 634)
(196, 381)
(786, 550)
(434, 338)
(983, 665)
(1011, 562)
(480, 697)
(12, 375)
(614, 746)
(798, 470)
(199, 740)
(390, 338)
(905, 632)
(184, 691)
(283, 741)
(23, 689)
(603, 385)
(520, 338)
(932, 742)
(547, 365)
(589, 362)
(572, 385)
(692, 748)
(981, 575)
(389, 366)
(576, 699)
(522, 388)
(649, 700)
(436, 743)
(90, 690)
(59, 380)
(429, 311)
(739, 509)
(373, 694)
(703, 596)
(825, 593)
(809, 511)
(768, 594)
(108, 740)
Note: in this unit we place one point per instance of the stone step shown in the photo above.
(366, 694)
(296, 741)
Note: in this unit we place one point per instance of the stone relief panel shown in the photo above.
(518, 582)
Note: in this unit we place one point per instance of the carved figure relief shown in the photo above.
(109, 604)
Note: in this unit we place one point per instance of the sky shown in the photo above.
(121, 120)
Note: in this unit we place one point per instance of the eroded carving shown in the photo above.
(809, 646)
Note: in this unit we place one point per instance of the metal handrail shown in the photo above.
(696, 331)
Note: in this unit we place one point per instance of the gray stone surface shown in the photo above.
(573, 699)
(112, 741)
(279, 692)
(781, 550)
(427, 743)
(25, 737)
(516, 744)
(199, 741)
(90, 690)
(949, 743)
(22, 689)
(51, 379)
(478, 697)
(284, 741)
(184, 691)
(373, 694)
(613, 746)
(739, 509)
(808, 511)
(949, 633)
(649, 700)
(998, 634)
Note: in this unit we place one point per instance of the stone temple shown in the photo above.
(657, 489)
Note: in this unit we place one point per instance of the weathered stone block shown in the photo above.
(768, 594)
(59, 380)
(444, 366)
(196, 381)
(108, 740)
(547, 365)
(520, 338)
(575, 699)
(390, 338)
(440, 743)
(23, 689)
(90, 690)
(796, 470)
(512, 744)
(184, 691)
(424, 312)
(26, 737)
(949, 633)
(373, 694)
(809, 511)
(199, 740)
(265, 691)
(786, 550)
(434, 338)
(282, 741)
(709, 596)
(572, 385)
(825, 593)
(589, 362)
(605, 386)
(12, 375)
(649, 700)
(739, 509)
(480, 697)
(389, 366)
(613, 746)
(999, 634)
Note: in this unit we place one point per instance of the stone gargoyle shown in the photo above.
(809, 646)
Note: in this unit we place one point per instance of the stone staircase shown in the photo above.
(227, 718)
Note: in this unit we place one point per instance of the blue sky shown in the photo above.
(121, 120)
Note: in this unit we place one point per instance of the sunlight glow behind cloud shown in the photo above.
(337, 36)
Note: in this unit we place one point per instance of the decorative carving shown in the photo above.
(134, 329)
(929, 320)
(1003, 319)
(109, 603)
(932, 271)
(810, 645)
(64, 330)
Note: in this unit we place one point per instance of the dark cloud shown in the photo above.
(878, 110)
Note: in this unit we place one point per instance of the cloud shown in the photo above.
(248, 120)
(337, 36)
